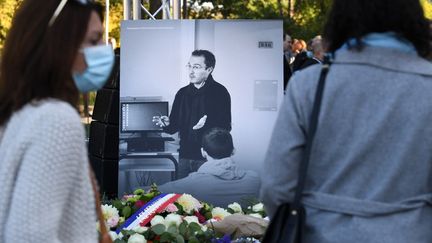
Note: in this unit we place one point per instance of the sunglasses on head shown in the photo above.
(61, 6)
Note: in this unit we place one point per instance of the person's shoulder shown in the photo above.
(184, 185)
(306, 78)
(56, 111)
(252, 176)
(54, 118)
(183, 90)
(218, 86)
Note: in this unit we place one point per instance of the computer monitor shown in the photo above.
(137, 116)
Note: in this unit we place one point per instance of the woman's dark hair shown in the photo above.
(356, 18)
(218, 143)
(37, 59)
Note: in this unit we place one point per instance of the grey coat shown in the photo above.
(218, 182)
(370, 175)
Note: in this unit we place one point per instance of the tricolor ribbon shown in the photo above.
(148, 211)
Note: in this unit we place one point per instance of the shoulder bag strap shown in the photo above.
(312, 129)
(104, 236)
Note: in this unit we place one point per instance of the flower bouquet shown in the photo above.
(151, 216)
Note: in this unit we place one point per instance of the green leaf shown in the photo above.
(193, 240)
(158, 229)
(126, 212)
(139, 191)
(230, 211)
(194, 227)
(167, 237)
(119, 241)
(208, 215)
(147, 197)
(183, 228)
(117, 204)
(172, 229)
(179, 239)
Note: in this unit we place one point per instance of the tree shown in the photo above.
(7, 10)
(427, 6)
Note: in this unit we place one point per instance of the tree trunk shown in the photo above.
(297, 5)
(185, 9)
(280, 8)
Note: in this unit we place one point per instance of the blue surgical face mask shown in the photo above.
(100, 61)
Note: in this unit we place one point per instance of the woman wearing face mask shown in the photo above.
(53, 51)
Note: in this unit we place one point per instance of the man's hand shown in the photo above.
(200, 123)
(161, 121)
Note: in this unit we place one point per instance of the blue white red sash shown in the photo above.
(148, 211)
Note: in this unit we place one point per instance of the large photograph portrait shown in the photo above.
(196, 91)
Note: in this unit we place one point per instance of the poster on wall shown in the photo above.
(182, 79)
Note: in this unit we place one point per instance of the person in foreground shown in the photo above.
(218, 181)
(369, 178)
(52, 52)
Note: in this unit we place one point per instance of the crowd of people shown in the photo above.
(369, 178)
(298, 54)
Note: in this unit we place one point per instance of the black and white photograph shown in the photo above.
(185, 83)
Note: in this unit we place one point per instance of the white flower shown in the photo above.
(157, 220)
(256, 215)
(207, 6)
(258, 207)
(196, 7)
(137, 238)
(189, 203)
(219, 213)
(204, 228)
(140, 229)
(111, 215)
(235, 207)
(220, 6)
(191, 219)
(115, 236)
(172, 219)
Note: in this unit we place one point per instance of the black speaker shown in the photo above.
(106, 172)
(106, 108)
(104, 140)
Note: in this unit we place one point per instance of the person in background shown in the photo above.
(218, 181)
(317, 48)
(298, 46)
(369, 177)
(201, 105)
(288, 58)
(53, 51)
(314, 55)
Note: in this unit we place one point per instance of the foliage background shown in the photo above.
(302, 18)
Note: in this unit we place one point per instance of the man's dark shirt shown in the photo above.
(190, 104)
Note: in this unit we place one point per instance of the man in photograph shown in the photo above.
(201, 105)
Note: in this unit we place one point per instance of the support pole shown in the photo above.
(136, 8)
(166, 8)
(107, 22)
(176, 9)
(126, 9)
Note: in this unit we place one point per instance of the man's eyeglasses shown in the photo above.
(61, 6)
(194, 67)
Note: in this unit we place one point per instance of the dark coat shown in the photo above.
(190, 104)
